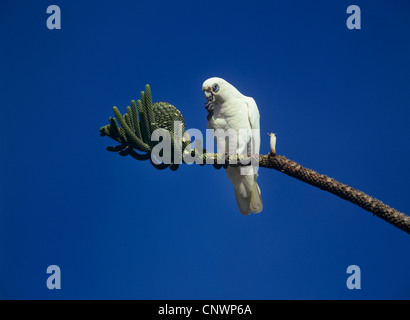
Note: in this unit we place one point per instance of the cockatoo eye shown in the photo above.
(215, 88)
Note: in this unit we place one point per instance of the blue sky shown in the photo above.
(338, 100)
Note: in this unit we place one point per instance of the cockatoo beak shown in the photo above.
(209, 94)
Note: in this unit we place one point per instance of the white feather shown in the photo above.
(233, 110)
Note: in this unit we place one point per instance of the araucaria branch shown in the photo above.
(144, 117)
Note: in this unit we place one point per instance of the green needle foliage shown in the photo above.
(137, 126)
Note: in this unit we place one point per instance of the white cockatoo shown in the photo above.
(230, 109)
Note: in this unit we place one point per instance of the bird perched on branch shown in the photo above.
(231, 111)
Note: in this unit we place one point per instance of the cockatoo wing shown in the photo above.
(253, 116)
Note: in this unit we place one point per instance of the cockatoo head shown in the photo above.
(217, 90)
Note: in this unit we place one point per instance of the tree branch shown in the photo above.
(321, 181)
(295, 170)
